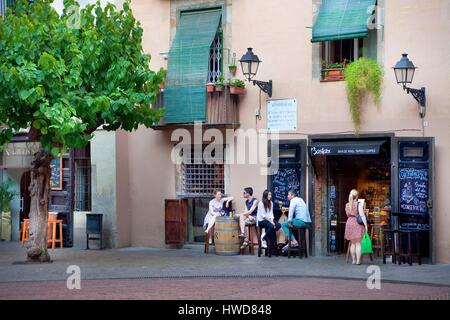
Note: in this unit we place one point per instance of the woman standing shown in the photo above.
(353, 230)
(266, 220)
(215, 209)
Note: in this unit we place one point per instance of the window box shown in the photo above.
(210, 87)
(333, 74)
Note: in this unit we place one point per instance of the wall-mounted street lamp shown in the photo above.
(404, 73)
(249, 64)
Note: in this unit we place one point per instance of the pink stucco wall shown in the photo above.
(277, 30)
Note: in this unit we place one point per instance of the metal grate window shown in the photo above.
(215, 59)
(202, 175)
(82, 185)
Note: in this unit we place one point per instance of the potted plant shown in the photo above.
(220, 84)
(163, 75)
(210, 87)
(232, 67)
(237, 86)
(334, 71)
(6, 195)
(362, 76)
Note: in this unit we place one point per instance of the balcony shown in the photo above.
(221, 111)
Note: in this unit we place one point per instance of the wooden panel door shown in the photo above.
(175, 221)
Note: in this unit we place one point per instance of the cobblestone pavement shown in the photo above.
(136, 272)
(221, 289)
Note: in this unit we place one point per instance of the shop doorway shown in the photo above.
(370, 175)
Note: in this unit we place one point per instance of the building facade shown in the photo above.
(394, 147)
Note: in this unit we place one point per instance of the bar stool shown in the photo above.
(409, 254)
(25, 231)
(208, 236)
(301, 238)
(52, 224)
(268, 250)
(250, 233)
(389, 245)
(376, 236)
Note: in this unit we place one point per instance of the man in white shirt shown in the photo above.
(298, 217)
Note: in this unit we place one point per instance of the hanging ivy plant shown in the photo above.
(362, 76)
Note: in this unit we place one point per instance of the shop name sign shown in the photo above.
(342, 150)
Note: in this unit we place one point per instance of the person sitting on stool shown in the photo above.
(298, 217)
(266, 220)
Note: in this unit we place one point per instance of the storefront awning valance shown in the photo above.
(187, 70)
(345, 148)
(342, 19)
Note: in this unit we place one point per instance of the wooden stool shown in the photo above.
(52, 226)
(25, 231)
(409, 254)
(209, 235)
(376, 236)
(389, 246)
(268, 250)
(251, 244)
(302, 247)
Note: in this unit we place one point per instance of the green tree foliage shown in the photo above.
(67, 75)
(362, 76)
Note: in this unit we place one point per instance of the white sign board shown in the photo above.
(282, 115)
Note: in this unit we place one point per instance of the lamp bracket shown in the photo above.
(419, 95)
(264, 86)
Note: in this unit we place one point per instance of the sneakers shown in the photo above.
(242, 236)
(263, 242)
(285, 248)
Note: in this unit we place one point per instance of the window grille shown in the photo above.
(82, 185)
(215, 59)
(203, 175)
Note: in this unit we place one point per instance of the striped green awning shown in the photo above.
(342, 19)
(187, 70)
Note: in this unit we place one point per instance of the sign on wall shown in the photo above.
(413, 193)
(56, 176)
(282, 115)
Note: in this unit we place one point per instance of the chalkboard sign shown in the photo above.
(413, 190)
(286, 179)
(56, 177)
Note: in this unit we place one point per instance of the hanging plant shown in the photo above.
(362, 76)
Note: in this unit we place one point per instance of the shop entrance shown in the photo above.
(370, 175)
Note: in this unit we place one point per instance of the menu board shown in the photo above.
(286, 179)
(56, 175)
(413, 190)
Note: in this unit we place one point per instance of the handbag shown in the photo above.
(358, 217)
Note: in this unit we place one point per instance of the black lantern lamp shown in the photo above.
(249, 64)
(404, 73)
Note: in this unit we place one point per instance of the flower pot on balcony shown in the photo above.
(219, 88)
(236, 90)
(232, 69)
(162, 86)
(210, 87)
(333, 74)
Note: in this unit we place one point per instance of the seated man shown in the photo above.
(249, 216)
(298, 217)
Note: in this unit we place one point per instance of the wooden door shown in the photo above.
(176, 221)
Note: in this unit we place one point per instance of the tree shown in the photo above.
(63, 77)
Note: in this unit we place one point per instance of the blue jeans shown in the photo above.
(270, 229)
(297, 223)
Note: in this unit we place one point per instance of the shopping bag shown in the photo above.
(366, 244)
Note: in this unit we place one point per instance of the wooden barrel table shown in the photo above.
(226, 236)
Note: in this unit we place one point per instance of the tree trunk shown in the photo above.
(39, 191)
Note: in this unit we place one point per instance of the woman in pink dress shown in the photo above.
(353, 230)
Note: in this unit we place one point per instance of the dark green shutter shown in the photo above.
(342, 19)
(187, 71)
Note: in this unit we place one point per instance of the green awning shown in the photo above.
(187, 70)
(342, 19)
